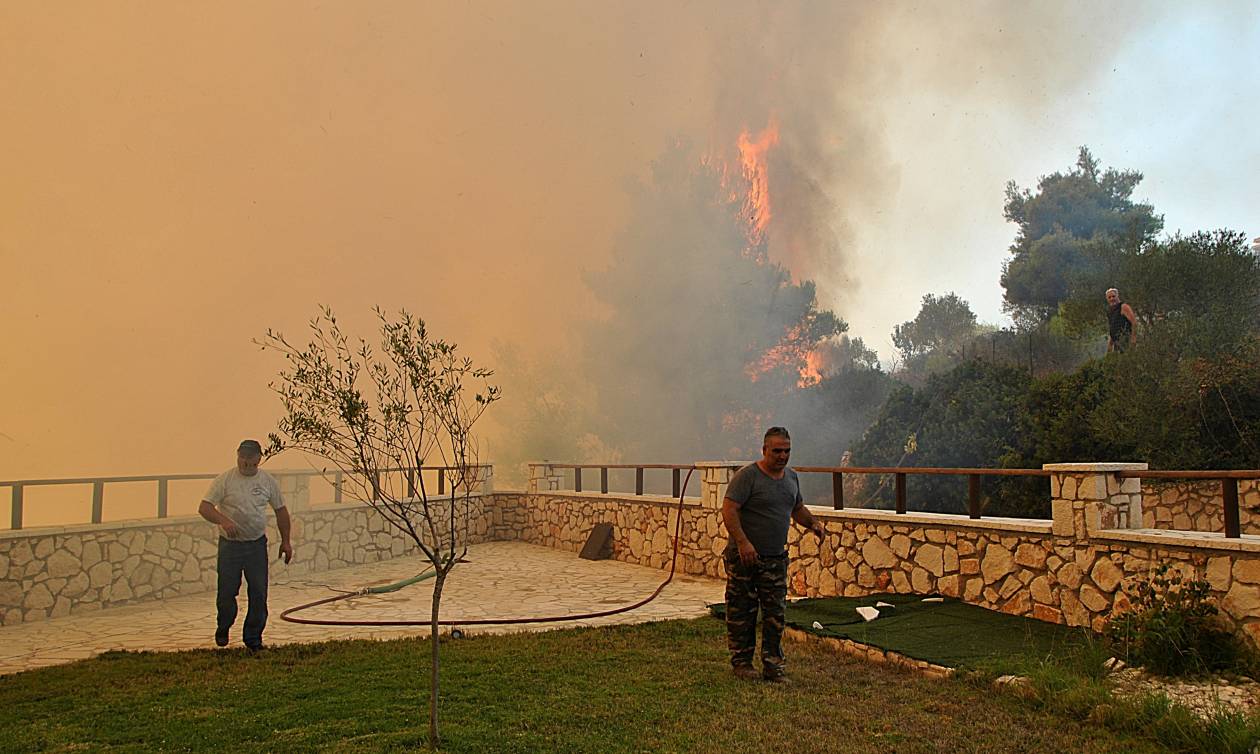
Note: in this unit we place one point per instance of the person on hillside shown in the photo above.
(762, 500)
(1121, 323)
(237, 503)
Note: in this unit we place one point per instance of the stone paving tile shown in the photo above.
(500, 580)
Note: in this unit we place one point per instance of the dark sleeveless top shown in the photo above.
(1119, 327)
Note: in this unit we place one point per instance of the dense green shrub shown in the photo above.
(1158, 404)
(1173, 627)
(967, 417)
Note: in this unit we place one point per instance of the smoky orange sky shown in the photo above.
(177, 178)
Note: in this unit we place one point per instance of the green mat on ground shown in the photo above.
(949, 633)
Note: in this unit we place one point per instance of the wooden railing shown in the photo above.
(18, 486)
(639, 468)
(974, 478)
(1228, 480)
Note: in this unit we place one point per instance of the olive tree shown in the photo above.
(378, 416)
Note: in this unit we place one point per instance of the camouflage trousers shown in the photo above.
(760, 585)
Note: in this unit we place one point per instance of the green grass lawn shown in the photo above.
(645, 688)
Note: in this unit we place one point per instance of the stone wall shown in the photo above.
(1072, 569)
(1195, 505)
(59, 571)
(643, 527)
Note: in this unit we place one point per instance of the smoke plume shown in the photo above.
(181, 178)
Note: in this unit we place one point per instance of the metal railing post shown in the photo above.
(577, 478)
(442, 480)
(337, 487)
(1229, 497)
(98, 500)
(603, 479)
(901, 492)
(677, 482)
(162, 489)
(411, 482)
(638, 481)
(973, 495)
(837, 491)
(15, 517)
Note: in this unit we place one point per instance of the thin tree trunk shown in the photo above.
(433, 677)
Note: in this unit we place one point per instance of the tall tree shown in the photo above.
(943, 322)
(1051, 258)
(700, 339)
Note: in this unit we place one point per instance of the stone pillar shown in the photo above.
(713, 480)
(1089, 497)
(543, 478)
(486, 480)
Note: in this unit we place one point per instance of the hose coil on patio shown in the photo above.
(289, 615)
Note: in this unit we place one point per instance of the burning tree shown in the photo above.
(379, 418)
(706, 339)
(702, 337)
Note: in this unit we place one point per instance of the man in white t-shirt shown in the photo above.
(237, 503)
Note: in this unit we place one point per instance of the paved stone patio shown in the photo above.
(500, 580)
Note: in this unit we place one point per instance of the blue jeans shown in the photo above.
(249, 558)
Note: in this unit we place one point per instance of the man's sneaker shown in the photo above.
(221, 638)
(745, 672)
(776, 677)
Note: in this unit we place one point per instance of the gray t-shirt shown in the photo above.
(765, 507)
(244, 499)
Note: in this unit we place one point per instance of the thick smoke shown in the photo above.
(683, 308)
(170, 197)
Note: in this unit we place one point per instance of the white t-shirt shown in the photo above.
(244, 499)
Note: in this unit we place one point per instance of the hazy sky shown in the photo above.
(179, 177)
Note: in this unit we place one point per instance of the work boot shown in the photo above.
(221, 637)
(745, 672)
(776, 676)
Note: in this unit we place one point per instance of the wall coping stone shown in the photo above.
(689, 502)
(957, 520)
(127, 523)
(143, 523)
(1171, 538)
(1080, 468)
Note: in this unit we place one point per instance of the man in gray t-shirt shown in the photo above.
(762, 500)
(237, 502)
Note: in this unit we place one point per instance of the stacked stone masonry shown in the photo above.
(1196, 505)
(1073, 569)
(48, 573)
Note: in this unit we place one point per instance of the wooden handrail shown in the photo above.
(928, 470)
(619, 465)
(179, 477)
(17, 496)
(1150, 474)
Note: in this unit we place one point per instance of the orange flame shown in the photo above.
(752, 157)
(812, 371)
(791, 352)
